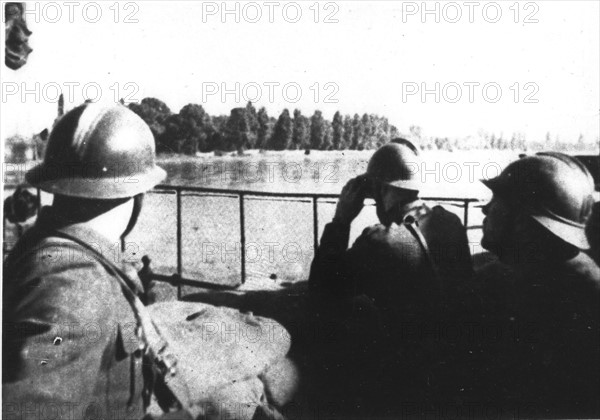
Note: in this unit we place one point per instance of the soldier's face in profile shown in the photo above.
(388, 201)
(497, 225)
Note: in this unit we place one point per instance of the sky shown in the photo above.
(502, 67)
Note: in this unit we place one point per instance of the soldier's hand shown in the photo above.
(351, 200)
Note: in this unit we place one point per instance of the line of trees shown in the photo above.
(194, 130)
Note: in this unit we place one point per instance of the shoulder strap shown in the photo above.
(158, 348)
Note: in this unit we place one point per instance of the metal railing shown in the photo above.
(178, 280)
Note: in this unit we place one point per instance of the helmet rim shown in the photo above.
(568, 232)
(569, 227)
(104, 188)
(98, 151)
(405, 184)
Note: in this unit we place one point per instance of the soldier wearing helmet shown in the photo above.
(544, 292)
(413, 247)
(413, 266)
(70, 335)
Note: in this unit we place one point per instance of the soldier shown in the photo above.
(19, 207)
(592, 231)
(545, 296)
(414, 267)
(70, 341)
(416, 252)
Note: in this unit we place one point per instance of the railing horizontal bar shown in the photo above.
(228, 191)
(236, 192)
(175, 280)
(289, 200)
(171, 192)
(284, 200)
(185, 193)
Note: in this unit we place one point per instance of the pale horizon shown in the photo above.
(370, 58)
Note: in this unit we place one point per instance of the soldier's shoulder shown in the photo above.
(373, 230)
(442, 224)
(44, 251)
(494, 274)
(62, 262)
(370, 235)
(386, 236)
(586, 270)
(441, 214)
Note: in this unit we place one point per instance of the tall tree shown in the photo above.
(367, 125)
(194, 120)
(327, 136)
(264, 128)
(301, 134)
(237, 130)
(173, 136)
(155, 113)
(357, 133)
(282, 133)
(317, 130)
(253, 126)
(348, 131)
(216, 140)
(337, 126)
(380, 131)
(185, 132)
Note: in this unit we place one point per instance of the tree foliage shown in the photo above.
(282, 133)
(300, 133)
(192, 130)
(155, 113)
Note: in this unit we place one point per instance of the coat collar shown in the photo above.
(49, 220)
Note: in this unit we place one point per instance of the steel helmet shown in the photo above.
(554, 189)
(397, 164)
(98, 152)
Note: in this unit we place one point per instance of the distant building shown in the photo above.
(19, 149)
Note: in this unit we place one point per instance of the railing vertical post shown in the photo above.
(179, 246)
(243, 237)
(39, 200)
(466, 215)
(315, 224)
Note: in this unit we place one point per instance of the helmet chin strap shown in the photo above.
(135, 214)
